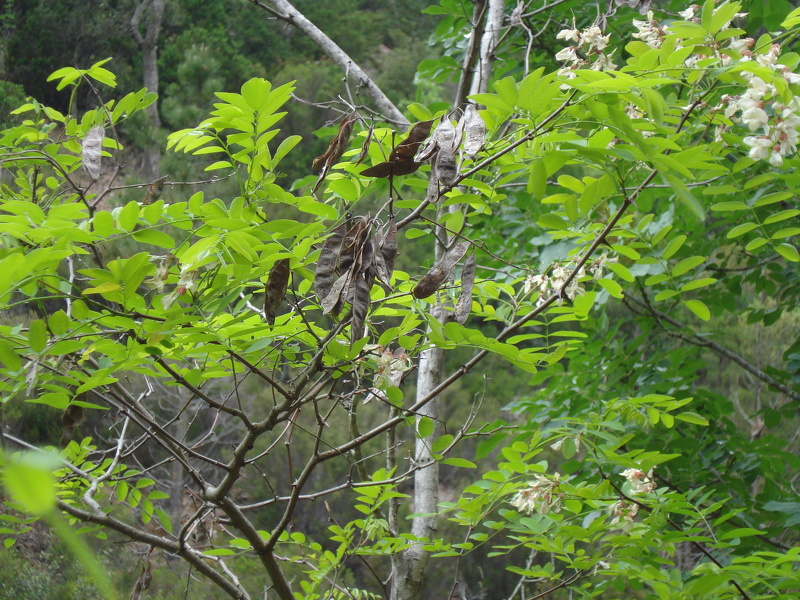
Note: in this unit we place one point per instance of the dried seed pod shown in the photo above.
(92, 150)
(336, 148)
(275, 289)
(409, 146)
(464, 304)
(325, 275)
(365, 146)
(378, 270)
(445, 167)
(434, 278)
(351, 244)
(474, 130)
(70, 419)
(395, 168)
(332, 303)
(154, 190)
(445, 137)
(389, 246)
(361, 301)
(401, 158)
(142, 582)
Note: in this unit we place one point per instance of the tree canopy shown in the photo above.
(529, 328)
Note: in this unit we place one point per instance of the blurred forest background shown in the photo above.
(205, 46)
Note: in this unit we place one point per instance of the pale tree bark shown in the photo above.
(408, 568)
(489, 40)
(473, 51)
(152, 12)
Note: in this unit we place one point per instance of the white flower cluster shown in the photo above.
(650, 31)
(389, 372)
(622, 514)
(391, 366)
(640, 483)
(556, 282)
(187, 281)
(588, 50)
(541, 496)
(774, 123)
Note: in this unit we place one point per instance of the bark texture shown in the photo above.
(493, 23)
(149, 12)
(408, 568)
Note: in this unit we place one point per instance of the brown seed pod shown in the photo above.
(275, 289)
(326, 264)
(434, 278)
(464, 304)
(70, 419)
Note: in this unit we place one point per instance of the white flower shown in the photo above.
(688, 14)
(788, 74)
(771, 57)
(633, 112)
(603, 63)
(649, 31)
(754, 116)
(536, 282)
(596, 268)
(741, 45)
(570, 35)
(623, 514)
(639, 482)
(759, 147)
(162, 272)
(594, 38)
(718, 134)
(186, 283)
(728, 105)
(391, 366)
(539, 496)
(568, 54)
(758, 87)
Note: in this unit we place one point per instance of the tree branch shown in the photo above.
(698, 340)
(233, 590)
(285, 11)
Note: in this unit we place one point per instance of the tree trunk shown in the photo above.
(285, 11)
(153, 11)
(489, 40)
(408, 568)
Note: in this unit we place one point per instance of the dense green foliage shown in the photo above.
(619, 404)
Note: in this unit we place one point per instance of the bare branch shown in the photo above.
(285, 11)
(698, 340)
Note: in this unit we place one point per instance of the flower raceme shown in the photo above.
(540, 496)
(771, 118)
(639, 482)
(556, 282)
